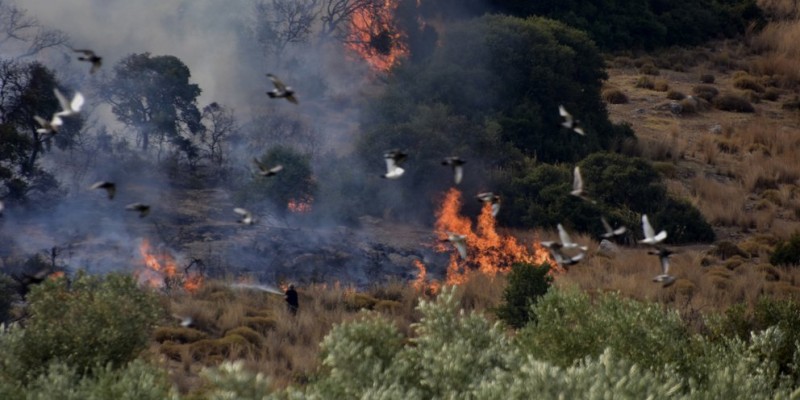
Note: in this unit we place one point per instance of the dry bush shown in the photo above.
(707, 78)
(772, 94)
(664, 147)
(660, 85)
(623, 62)
(733, 103)
(675, 95)
(792, 105)
(708, 149)
(721, 203)
(645, 82)
(615, 96)
(649, 69)
(748, 83)
(779, 9)
(177, 334)
(705, 92)
(779, 45)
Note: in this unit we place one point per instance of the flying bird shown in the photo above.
(663, 255)
(460, 243)
(610, 232)
(109, 187)
(457, 164)
(558, 255)
(2, 207)
(142, 209)
(247, 217)
(393, 160)
(263, 170)
(281, 90)
(650, 236)
(69, 108)
(90, 57)
(186, 321)
(257, 286)
(566, 241)
(490, 198)
(577, 185)
(569, 122)
(51, 126)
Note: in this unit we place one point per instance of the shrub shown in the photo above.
(660, 85)
(792, 105)
(707, 78)
(725, 249)
(177, 334)
(6, 297)
(772, 94)
(705, 92)
(787, 252)
(748, 83)
(95, 321)
(675, 95)
(260, 324)
(649, 69)
(526, 284)
(689, 106)
(645, 82)
(248, 333)
(734, 103)
(615, 96)
(360, 300)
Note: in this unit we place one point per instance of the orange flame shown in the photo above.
(489, 252)
(161, 270)
(301, 206)
(375, 38)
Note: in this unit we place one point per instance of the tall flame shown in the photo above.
(161, 270)
(374, 36)
(489, 252)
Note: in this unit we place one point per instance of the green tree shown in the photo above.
(526, 284)
(294, 182)
(153, 96)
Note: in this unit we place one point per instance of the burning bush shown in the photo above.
(95, 321)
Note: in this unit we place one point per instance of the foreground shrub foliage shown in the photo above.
(526, 284)
(91, 322)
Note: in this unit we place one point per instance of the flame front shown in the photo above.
(301, 206)
(375, 38)
(488, 251)
(161, 270)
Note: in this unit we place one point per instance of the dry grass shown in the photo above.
(778, 45)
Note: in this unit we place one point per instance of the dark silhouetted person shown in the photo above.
(291, 300)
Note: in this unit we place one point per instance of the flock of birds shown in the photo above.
(565, 251)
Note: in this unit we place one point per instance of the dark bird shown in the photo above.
(247, 217)
(458, 169)
(570, 122)
(393, 160)
(90, 57)
(663, 255)
(109, 187)
(610, 232)
(281, 90)
(490, 198)
(263, 170)
(142, 209)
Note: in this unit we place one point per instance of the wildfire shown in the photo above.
(374, 37)
(300, 206)
(489, 252)
(161, 270)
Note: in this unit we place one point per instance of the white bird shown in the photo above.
(570, 122)
(255, 286)
(577, 185)
(142, 209)
(393, 159)
(281, 90)
(566, 241)
(51, 126)
(610, 232)
(663, 255)
(490, 198)
(558, 255)
(263, 170)
(650, 236)
(186, 321)
(460, 243)
(69, 108)
(458, 167)
(247, 217)
(109, 187)
(2, 207)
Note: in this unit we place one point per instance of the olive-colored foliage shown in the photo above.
(7, 286)
(569, 327)
(92, 321)
(526, 284)
(787, 252)
(293, 182)
(649, 24)
(734, 103)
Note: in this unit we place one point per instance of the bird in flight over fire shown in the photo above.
(663, 255)
(109, 187)
(650, 236)
(90, 57)
(263, 170)
(458, 167)
(570, 122)
(247, 217)
(69, 108)
(393, 160)
(566, 241)
(51, 126)
(559, 256)
(490, 198)
(281, 91)
(142, 209)
(459, 242)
